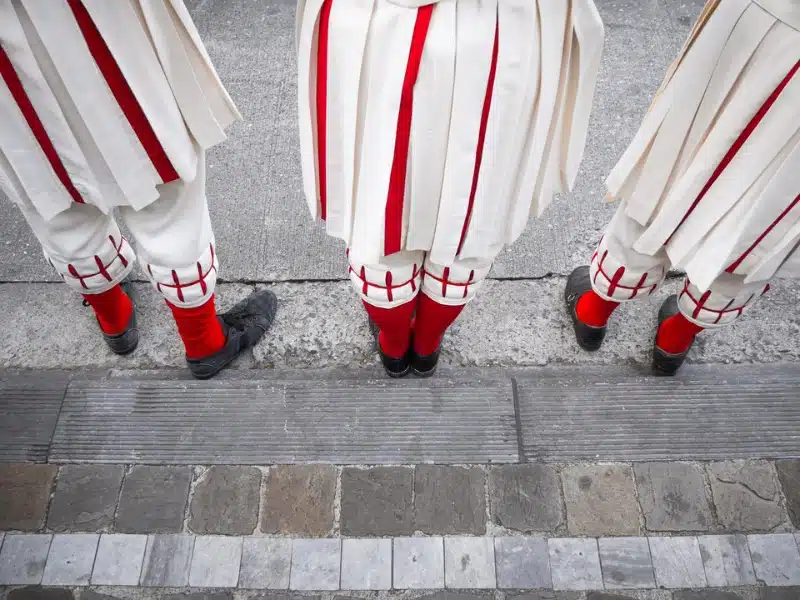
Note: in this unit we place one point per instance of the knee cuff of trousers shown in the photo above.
(187, 286)
(455, 285)
(386, 288)
(96, 274)
(611, 280)
(712, 310)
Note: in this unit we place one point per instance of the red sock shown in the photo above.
(199, 329)
(594, 310)
(113, 309)
(395, 327)
(676, 334)
(432, 321)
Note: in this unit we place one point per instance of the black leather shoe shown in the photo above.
(394, 367)
(665, 363)
(127, 341)
(579, 282)
(244, 325)
(425, 366)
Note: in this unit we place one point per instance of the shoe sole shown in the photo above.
(424, 374)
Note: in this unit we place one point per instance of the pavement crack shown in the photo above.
(747, 487)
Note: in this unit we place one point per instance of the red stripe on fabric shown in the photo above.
(699, 305)
(413, 277)
(767, 288)
(737, 145)
(178, 286)
(118, 249)
(101, 268)
(445, 281)
(393, 221)
(466, 287)
(74, 272)
(122, 92)
(615, 281)
(201, 279)
(20, 96)
(724, 310)
(322, 106)
(487, 106)
(639, 285)
(738, 261)
(365, 288)
(389, 294)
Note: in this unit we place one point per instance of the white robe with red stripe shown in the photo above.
(442, 125)
(101, 100)
(713, 175)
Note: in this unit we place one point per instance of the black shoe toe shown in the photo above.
(394, 367)
(425, 366)
(665, 363)
(588, 337)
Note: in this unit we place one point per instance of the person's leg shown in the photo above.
(617, 273)
(176, 246)
(389, 292)
(87, 250)
(684, 316)
(445, 293)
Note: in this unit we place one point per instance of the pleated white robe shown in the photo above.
(475, 164)
(713, 173)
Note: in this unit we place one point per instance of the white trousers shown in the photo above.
(399, 277)
(173, 236)
(622, 274)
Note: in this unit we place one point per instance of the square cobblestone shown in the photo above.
(298, 500)
(449, 500)
(366, 564)
(727, 560)
(575, 564)
(266, 563)
(70, 559)
(780, 593)
(35, 592)
(23, 558)
(215, 561)
(469, 563)
(153, 500)
(550, 595)
(526, 498)
(601, 500)
(24, 495)
(167, 560)
(119, 559)
(85, 498)
(626, 563)
(776, 559)
(677, 562)
(747, 495)
(316, 565)
(225, 501)
(418, 563)
(377, 501)
(523, 563)
(789, 476)
(673, 497)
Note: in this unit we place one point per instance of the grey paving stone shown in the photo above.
(167, 560)
(706, 595)
(85, 498)
(673, 497)
(747, 495)
(547, 595)
(626, 563)
(298, 500)
(215, 561)
(153, 500)
(200, 595)
(366, 564)
(316, 564)
(523, 563)
(526, 498)
(418, 563)
(776, 559)
(458, 595)
(225, 501)
(575, 564)
(677, 562)
(266, 563)
(727, 560)
(789, 476)
(780, 593)
(469, 563)
(24, 494)
(35, 592)
(70, 559)
(22, 559)
(377, 501)
(601, 500)
(119, 559)
(449, 500)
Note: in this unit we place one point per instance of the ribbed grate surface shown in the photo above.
(706, 414)
(28, 413)
(241, 422)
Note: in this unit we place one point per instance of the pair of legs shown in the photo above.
(411, 301)
(618, 273)
(175, 243)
